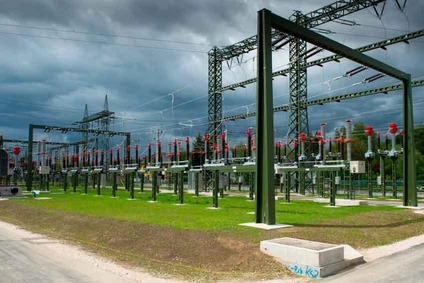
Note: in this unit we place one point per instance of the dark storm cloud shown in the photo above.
(49, 81)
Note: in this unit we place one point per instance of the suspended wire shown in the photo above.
(103, 42)
(106, 34)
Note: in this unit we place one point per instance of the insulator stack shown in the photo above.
(393, 129)
(249, 142)
(349, 140)
(302, 139)
(369, 132)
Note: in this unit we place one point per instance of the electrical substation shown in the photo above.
(316, 165)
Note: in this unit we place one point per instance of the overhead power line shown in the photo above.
(105, 34)
(102, 42)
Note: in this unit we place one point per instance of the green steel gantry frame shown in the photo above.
(265, 195)
(48, 128)
(298, 87)
(319, 62)
(337, 98)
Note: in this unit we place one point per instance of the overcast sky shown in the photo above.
(150, 58)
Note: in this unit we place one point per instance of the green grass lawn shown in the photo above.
(193, 241)
(194, 213)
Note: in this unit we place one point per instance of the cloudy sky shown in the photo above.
(150, 58)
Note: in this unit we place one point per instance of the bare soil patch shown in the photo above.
(165, 251)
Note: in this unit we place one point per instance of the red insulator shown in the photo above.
(369, 131)
(16, 150)
(302, 137)
(393, 128)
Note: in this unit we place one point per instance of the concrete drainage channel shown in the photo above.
(312, 259)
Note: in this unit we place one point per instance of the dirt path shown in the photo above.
(30, 257)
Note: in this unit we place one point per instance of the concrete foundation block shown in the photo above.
(311, 259)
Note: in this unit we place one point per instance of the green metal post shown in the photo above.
(409, 162)
(29, 157)
(114, 184)
(142, 182)
(239, 182)
(264, 181)
(394, 178)
(287, 186)
(131, 185)
(65, 181)
(75, 181)
(221, 189)
(196, 184)
(181, 189)
(251, 186)
(86, 184)
(48, 183)
(98, 184)
(333, 190)
(302, 181)
(370, 182)
(154, 185)
(125, 182)
(175, 182)
(229, 181)
(383, 174)
(216, 189)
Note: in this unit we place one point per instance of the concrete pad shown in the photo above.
(42, 198)
(130, 198)
(302, 251)
(3, 198)
(266, 226)
(341, 202)
(213, 208)
(252, 212)
(411, 207)
(152, 201)
(180, 204)
(332, 206)
(311, 259)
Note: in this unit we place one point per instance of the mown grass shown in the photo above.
(194, 242)
(194, 214)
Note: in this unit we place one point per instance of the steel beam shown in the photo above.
(317, 17)
(337, 98)
(284, 25)
(295, 30)
(264, 181)
(335, 57)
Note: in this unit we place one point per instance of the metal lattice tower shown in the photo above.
(103, 119)
(104, 126)
(85, 126)
(214, 97)
(298, 120)
(298, 85)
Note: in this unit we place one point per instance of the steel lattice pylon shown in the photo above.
(214, 97)
(298, 85)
